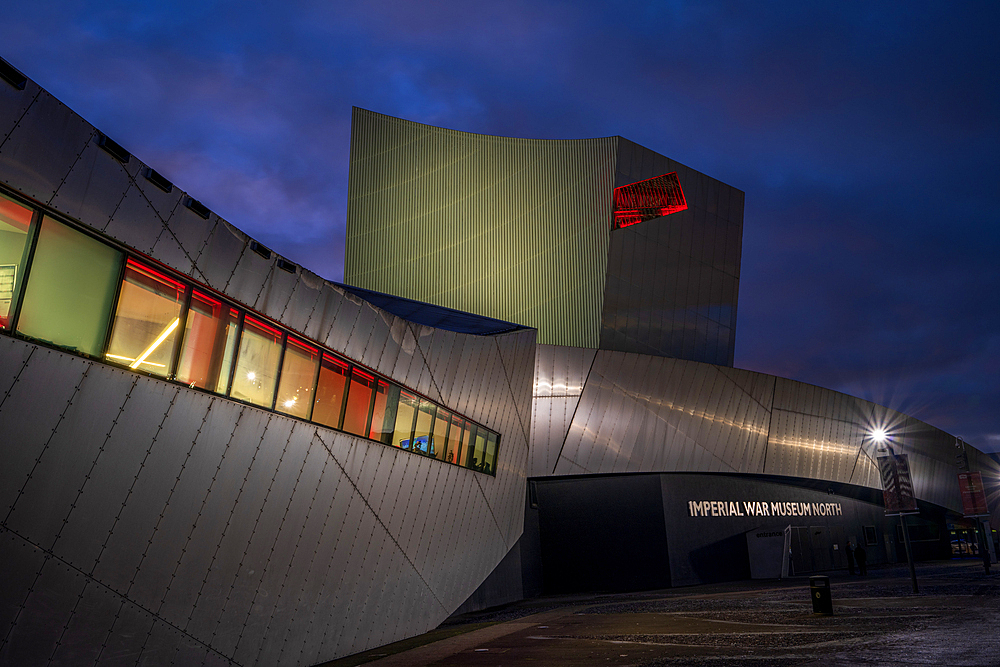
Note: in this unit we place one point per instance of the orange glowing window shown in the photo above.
(648, 199)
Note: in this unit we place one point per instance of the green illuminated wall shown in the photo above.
(520, 230)
(515, 229)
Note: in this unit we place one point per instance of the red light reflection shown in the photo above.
(648, 199)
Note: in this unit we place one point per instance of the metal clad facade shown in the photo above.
(612, 412)
(517, 228)
(673, 282)
(162, 524)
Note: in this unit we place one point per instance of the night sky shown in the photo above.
(865, 135)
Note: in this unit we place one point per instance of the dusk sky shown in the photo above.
(865, 135)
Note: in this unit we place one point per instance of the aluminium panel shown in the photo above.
(202, 543)
(113, 475)
(311, 587)
(55, 483)
(13, 104)
(242, 581)
(39, 153)
(124, 641)
(94, 187)
(300, 304)
(202, 458)
(274, 295)
(162, 203)
(138, 519)
(357, 342)
(135, 222)
(22, 563)
(28, 423)
(168, 250)
(324, 312)
(218, 257)
(14, 354)
(216, 592)
(264, 551)
(249, 277)
(93, 619)
(189, 230)
(47, 609)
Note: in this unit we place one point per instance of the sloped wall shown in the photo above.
(146, 522)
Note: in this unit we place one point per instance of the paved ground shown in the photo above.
(954, 621)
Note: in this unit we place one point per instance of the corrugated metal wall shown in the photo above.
(515, 229)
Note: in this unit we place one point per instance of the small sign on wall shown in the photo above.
(973, 494)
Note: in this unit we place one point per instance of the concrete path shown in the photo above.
(954, 622)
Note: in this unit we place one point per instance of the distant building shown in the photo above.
(213, 456)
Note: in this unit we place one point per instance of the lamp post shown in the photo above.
(897, 489)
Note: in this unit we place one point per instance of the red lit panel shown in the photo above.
(648, 199)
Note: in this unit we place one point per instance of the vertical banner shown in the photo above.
(897, 487)
(973, 494)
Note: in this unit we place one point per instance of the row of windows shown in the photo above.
(86, 296)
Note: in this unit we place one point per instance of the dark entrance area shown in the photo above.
(602, 534)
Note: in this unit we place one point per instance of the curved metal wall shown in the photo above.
(673, 282)
(513, 228)
(598, 411)
(146, 522)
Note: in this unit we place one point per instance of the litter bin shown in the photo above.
(819, 590)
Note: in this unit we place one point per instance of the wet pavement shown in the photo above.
(954, 621)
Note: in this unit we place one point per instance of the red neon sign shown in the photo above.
(652, 198)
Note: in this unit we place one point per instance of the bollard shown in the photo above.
(819, 590)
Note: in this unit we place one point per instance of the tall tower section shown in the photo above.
(596, 243)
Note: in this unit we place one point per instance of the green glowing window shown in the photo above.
(71, 289)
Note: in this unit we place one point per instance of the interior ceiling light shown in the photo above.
(652, 198)
(156, 343)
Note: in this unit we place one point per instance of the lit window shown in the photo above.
(70, 290)
(146, 320)
(359, 400)
(490, 463)
(15, 232)
(384, 412)
(403, 431)
(423, 443)
(209, 343)
(330, 392)
(440, 433)
(468, 445)
(477, 461)
(298, 377)
(257, 363)
(454, 448)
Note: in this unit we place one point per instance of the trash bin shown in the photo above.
(819, 590)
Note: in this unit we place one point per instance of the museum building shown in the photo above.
(214, 456)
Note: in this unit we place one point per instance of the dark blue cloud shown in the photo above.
(865, 135)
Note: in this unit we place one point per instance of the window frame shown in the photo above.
(130, 255)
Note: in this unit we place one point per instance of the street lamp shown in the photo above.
(897, 491)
